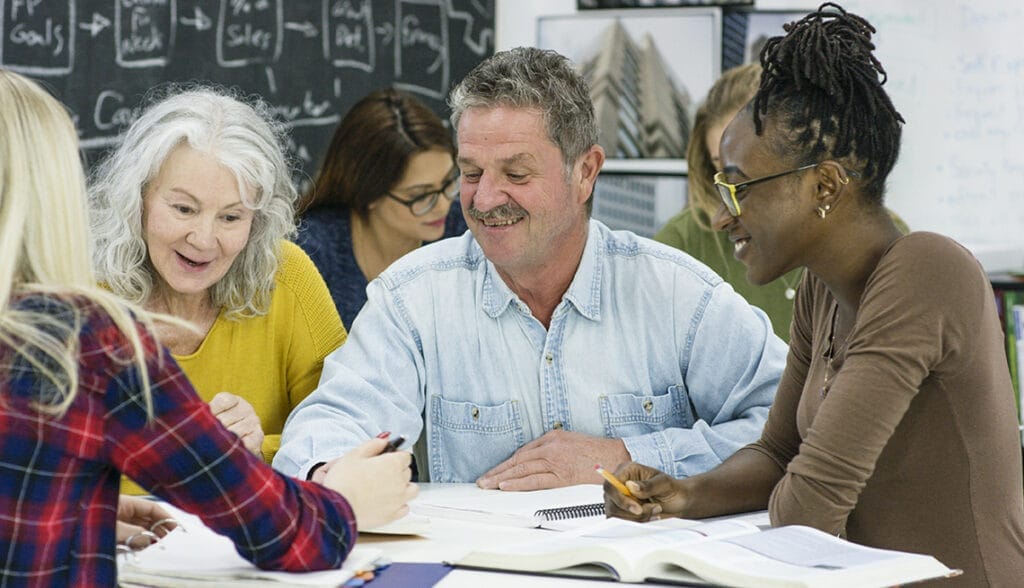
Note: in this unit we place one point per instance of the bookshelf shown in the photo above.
(1009, 292)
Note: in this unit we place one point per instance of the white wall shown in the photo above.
(515, 21)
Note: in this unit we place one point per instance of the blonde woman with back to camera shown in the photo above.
(88, 393)
(191, 216)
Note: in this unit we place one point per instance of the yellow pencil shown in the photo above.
(613, 481)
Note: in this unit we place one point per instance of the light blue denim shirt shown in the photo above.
(647, 345)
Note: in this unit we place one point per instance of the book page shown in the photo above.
(194, 552)
(472, 503)
(673, 533)
(616, 544)
(587, 552)
(729, 552)
(794, 556)
(796, 546)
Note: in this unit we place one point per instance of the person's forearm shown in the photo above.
(742, 483)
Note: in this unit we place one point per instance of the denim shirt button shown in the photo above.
(557, 425)
(475, 412)
(549, 358)
(648, 405)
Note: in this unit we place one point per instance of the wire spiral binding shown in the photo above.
(570, 512)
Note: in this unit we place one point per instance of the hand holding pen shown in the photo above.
(393, 443)
(319, 471)
(375, 479)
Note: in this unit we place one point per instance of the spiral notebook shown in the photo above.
(555, 508)
(570, 512)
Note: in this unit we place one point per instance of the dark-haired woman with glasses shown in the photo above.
(386, 187)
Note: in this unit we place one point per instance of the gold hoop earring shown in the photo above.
(845, 180)
(823, 210)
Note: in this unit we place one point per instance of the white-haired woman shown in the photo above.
(190, 216)
(86, 393)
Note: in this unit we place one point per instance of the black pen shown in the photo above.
(394, 444)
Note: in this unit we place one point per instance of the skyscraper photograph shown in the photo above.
(645, 72)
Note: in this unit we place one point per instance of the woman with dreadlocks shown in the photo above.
(894, 423)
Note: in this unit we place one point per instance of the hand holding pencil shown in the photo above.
(640, 493)
(618, 485)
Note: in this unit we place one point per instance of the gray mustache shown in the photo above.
(503, 212)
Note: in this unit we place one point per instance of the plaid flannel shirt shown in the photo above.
(59, 477)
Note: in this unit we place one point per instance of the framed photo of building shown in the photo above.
(748, 30)
(638, 202)
(648, 70)
(591, 4)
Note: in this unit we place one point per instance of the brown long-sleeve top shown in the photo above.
(915, 445)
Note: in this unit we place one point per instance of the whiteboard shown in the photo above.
(956, 71)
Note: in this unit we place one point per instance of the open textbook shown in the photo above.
(193, 555)
(723, 552)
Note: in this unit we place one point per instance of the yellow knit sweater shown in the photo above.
(273, 360)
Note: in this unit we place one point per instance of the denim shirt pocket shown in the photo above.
(626, 415)
(469, 438)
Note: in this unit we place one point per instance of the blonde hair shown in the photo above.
(729, 93)
(44, 241)
(244, 138)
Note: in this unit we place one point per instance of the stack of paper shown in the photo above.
(193, 555)
(467, 502)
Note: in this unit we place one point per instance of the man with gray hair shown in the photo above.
(540, 343)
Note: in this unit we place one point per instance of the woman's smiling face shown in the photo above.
(772, 234)
(194, 221)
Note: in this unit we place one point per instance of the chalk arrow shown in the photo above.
(387, 30)
(307, 29)
(99, 22)
(201, 22)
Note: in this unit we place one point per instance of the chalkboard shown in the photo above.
(310, 59)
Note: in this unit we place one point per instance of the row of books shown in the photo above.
(1009, 291)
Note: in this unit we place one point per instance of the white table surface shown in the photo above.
(442, 539)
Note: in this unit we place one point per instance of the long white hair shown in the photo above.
(243, 137)
(44, 244)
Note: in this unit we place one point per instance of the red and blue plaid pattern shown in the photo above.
(59, 477)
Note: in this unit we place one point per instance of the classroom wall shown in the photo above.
(956, 71)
